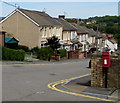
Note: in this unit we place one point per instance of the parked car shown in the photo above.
(92, 50)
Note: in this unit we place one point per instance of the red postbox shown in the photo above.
(105, 59)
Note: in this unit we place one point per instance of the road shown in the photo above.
(28, 82)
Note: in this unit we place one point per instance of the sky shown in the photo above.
(72, 9)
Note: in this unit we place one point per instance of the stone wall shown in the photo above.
(98, 75)
(97, 78)
(114, 73)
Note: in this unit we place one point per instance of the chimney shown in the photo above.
(62, 16)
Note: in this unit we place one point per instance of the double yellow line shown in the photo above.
(54, 84)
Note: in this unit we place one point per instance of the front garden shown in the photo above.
(23, 53)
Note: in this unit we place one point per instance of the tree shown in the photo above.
(117, 37)
(53, 42)
(9, 34)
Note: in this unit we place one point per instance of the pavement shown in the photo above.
(82, 86)
(36, 61)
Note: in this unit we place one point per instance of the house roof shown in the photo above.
(80, 29)
(110, 38)
(91, 32)
(66, 25)
(41, 18)
(10, 40)
(1, 18)
(112, 41)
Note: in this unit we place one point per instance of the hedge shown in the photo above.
(45, 53)
(11, 54)
(62, 52)
(23, 47)
(35, 50)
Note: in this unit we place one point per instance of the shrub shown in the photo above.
(45, 53)
(11, 54)
(62, 52)
(35, 50)
(23, 47)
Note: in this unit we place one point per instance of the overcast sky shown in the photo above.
(70, 9)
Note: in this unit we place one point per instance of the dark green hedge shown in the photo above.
(11, 54)
(62, 52)
(23, 47)
(45, 53)
(35, 50)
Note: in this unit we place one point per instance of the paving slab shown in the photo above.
(82, 85)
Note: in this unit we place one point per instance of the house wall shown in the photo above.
(110, 45)
(66, 36)
(100, 42)
(51, 31)
(23, 30)
(91, 39)
(73, 35)
(83, 37)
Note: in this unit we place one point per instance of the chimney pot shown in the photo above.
(62, 16)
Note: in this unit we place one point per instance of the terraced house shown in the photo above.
(31, 28)
(69, 33)
(82, 37)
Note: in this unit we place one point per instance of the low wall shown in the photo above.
(73, 54)
(98, 76)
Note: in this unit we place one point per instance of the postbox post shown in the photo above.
(105, 64)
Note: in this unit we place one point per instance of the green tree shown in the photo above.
(117, 37)
(53, 42)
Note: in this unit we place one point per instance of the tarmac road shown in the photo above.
(28, 82)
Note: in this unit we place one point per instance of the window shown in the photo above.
(58, 31)
(44, 33)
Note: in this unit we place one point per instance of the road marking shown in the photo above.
(54, 84)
